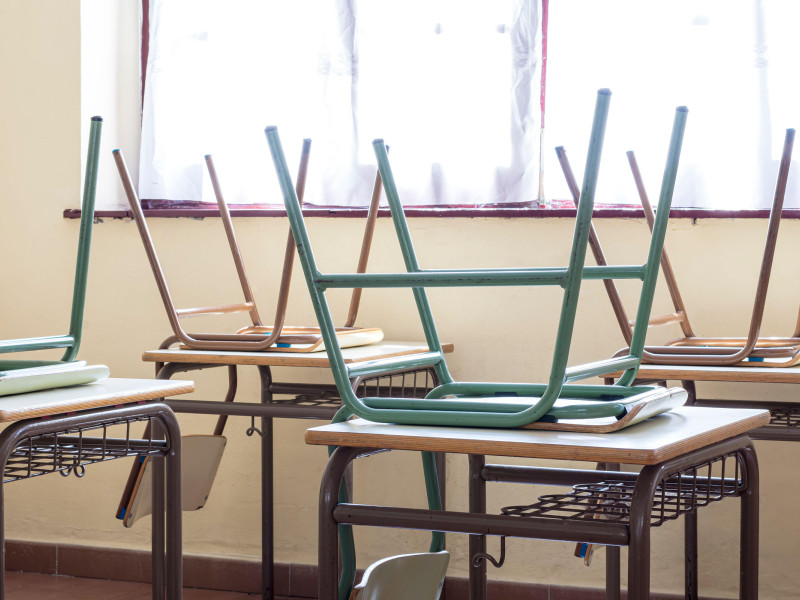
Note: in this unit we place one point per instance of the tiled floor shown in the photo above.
(31, 586)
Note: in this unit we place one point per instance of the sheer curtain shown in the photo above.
(452, 87)
(732, 62)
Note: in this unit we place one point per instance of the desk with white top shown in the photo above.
(678, 450)
(47, 435)
(301, 401)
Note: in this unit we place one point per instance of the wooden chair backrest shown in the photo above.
(246, 341)
(707, 352)
(626, 324)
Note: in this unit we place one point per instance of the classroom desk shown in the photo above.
(305, 401)
(47, 434)
(676, 450)
(785, 416)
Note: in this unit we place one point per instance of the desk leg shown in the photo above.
(157, 537)
(230, 396)
(748, 550)
(691, 390)
(440, 459)
(690, 546)
(174, 484)
(167, 569)
(158, 541)
(328, 549)
(267, 491)
(166, 371)
(3, 526)
(612, 555)
(477, 543)
(639, 547)
(612, 572)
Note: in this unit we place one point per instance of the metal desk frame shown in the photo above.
(38, 446)
(266, 411)
(633, 532)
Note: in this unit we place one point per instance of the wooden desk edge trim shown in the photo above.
(264, 358)
(538, 451)
(45, 410)
(729, 431)
(719, 374)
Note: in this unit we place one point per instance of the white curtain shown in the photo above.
(452, 86)
(734, 63)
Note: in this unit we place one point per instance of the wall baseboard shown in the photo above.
(294, 581)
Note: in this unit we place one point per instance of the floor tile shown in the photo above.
(33, 586)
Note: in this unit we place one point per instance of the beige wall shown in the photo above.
(59, 67)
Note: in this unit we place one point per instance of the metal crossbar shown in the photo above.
(537, 400)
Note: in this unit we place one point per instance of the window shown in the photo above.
(454, 87)
(451, 85)
(733, 63)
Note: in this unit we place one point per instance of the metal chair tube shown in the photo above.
(72, 340)
(568, 278)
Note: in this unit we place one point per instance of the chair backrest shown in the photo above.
(242, 341)
(626, 325)
(569, 278)
(404, 577)
(71, 341)
(174, 314)
(705, 351)
(680, 316)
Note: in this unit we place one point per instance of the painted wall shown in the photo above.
(63, 60)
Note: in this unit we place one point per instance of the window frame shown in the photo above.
(416, 212)
(530, 209)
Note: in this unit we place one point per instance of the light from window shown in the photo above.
(734, 63)
(450, 85)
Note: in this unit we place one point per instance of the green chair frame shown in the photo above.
(753, 350)
(482, 404)
(72, 340)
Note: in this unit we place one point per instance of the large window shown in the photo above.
(453, 86)
(734, 63)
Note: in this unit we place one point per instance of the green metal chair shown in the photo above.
(70, 342)
(481, 404)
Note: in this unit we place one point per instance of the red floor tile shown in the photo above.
(33, 586)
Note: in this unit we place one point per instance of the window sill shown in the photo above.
(436, 212)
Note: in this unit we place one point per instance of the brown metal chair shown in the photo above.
(200, 465)
(256, 337)
(691, 349)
